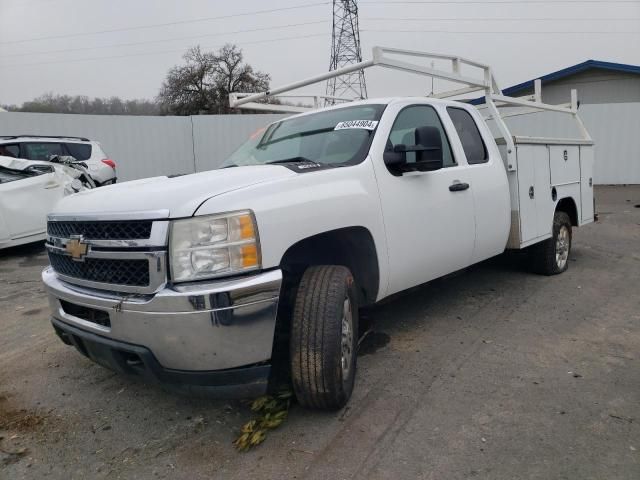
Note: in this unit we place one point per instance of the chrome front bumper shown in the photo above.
(203, 326)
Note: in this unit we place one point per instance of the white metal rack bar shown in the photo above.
(399, 59)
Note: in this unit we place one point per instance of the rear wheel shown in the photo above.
(324, 337)
(552, 256)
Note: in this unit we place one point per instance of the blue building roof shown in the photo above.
(566, 72)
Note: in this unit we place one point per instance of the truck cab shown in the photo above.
(202, 281)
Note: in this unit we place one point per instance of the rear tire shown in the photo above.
(551, 257)
(324, 337)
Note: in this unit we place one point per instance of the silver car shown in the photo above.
(101, 168)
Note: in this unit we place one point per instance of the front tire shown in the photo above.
(324, 337)
(551, 257)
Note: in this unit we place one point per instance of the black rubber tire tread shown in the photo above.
(543, 255)
(316, 335)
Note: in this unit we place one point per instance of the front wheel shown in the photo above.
(324, 335)
(551, 257)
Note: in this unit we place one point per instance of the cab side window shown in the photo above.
(403, 131)
(10, 150)
(472, 143)
(42, 151)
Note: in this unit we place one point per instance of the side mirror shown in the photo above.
(394, 159)
(428, 150)
(429, 157)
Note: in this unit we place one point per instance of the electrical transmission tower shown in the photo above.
(345, 50)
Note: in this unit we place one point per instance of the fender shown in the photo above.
(306, 204)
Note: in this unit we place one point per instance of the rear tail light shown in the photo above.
(108, 161)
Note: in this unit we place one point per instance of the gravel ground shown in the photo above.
(493, 373)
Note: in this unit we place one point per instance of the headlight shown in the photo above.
(213, 245)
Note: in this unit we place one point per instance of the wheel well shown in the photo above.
(352, 247)
(568, 206)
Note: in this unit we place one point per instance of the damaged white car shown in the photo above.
(29, 190)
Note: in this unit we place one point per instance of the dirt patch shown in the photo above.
(17, 419)
(13, 423)
(33, 311)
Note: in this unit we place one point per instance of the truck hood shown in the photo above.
(179, 196)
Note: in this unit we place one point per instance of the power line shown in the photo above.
(115, 45)
(513, 19)
(157, 52)
(515, 2)
(608, 32)
(154, 25)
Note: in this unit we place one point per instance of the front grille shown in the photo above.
(113, 271)
(120, 230)
(85, 313)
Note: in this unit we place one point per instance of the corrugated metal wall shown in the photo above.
(147, 146)
(215, 137)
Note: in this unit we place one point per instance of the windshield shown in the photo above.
(335, 137)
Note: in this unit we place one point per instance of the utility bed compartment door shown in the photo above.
(565, 164)
(586, 183)
(534, 192)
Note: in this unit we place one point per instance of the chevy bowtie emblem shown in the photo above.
(77, 249)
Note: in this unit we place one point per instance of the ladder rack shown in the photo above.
(399, 59)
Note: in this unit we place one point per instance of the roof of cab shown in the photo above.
(52, 138)
(379, 101)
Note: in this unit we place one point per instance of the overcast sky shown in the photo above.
(90, 58)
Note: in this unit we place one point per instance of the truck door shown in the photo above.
(428, 216)
(489, 184)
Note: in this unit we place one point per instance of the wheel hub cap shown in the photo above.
(563, 242)
(347, 338)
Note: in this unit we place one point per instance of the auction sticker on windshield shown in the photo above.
(366, 124)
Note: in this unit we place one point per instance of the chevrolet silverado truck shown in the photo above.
(203, 281)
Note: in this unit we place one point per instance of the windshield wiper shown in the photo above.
(262, 144)
(292, 160)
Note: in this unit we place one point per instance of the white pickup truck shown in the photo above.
(199, 281)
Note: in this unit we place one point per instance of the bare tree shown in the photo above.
(52, 103)
(203, 84)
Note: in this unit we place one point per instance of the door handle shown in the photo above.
(50, 185)
(458, 187)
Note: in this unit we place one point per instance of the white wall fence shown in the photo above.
(150, 146)
(147, 146)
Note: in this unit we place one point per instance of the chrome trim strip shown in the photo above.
(110, 216)
(117, 255)
(209, 310)
(199, 297)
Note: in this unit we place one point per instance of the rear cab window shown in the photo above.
(474, 148)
